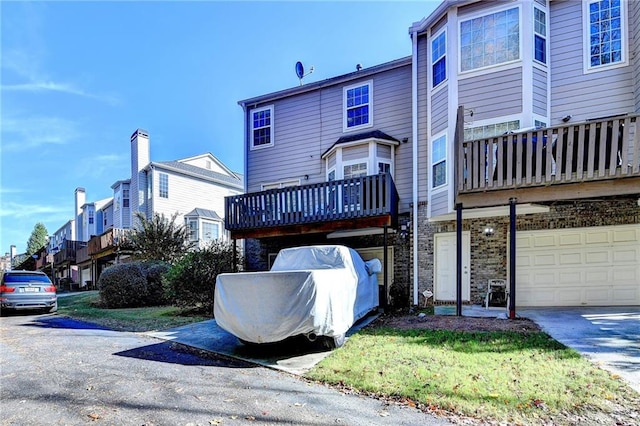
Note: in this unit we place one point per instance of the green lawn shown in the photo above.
(508, 377)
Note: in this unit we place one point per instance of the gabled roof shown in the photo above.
(371, 134)
(425, 23)
(211, 157)
(341, 79)
(198, 212)
(235, 179)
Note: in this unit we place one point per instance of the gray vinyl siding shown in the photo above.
(308, 124)
(355, 152)
(383, 151)
(479, 93)
(422, 117)
(440, 203)
(574, 92)
(439, 111)
(539, 92)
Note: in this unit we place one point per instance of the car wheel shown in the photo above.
(334, 342)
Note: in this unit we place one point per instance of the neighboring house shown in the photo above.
(329, 160)
(193, 187)
(521, 116)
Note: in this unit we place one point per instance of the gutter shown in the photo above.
(414, 136)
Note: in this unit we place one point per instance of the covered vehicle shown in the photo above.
(27, 290)
(315, 291)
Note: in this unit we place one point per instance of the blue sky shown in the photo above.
(78, 78)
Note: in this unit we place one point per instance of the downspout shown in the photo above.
(414, 137)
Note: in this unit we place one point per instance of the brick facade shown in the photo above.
(489, 254)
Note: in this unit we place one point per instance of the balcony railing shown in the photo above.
(362, 197)
(68, 251)
(110, 239)
(583, 152)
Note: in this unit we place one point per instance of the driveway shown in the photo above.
(608, 336)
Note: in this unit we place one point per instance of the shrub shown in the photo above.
(123, 286)
(191, 282)
(134, 284)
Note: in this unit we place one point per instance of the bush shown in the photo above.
(191, 282)
(131, 285)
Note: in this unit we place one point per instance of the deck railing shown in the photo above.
(68, 251)
(588, 151)
(353, 198)
(110, 239)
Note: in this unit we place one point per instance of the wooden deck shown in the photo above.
(589, 159)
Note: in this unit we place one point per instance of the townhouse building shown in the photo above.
(505, 148)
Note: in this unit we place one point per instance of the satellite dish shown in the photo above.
(299, 70)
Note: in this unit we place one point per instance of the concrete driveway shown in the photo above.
(608, 336)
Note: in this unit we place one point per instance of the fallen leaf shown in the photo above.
(250, 418)
(94, 416)
(215, 421)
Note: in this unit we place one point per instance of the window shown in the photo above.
(193, 229)
(357, 102)
(149, 186)
(355, 170)
(439, 161)
(438, 58)
(384, 167)
(490, 40)
(125, 198)
(490, 130)
(605, 21)
(164, 185)
(91, 217)
(209, 231)
(262, 127)
(540, 36)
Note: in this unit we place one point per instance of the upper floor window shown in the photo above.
(540, 35)
(490, 40)
(438, 58)
(355, 170)
(262, 127)
(164, 185)
(91, 217)
(125, 198)
(357, 106)
(439, 161)
(490, 130)
(605, 20)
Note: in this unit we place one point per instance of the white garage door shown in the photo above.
(578, 267)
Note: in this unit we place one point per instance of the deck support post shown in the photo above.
(512, 258)
(459, 259)
(386, 269)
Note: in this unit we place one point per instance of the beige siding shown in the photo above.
(539, 92)
(355, 152)
(574, 92)
(634, 46)
(383, 151)
(479, 93)
(308, 124)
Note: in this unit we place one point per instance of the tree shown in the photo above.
(38, 238)
(158, 238)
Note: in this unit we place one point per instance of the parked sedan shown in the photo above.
(27, 290)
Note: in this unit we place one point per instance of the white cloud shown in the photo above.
(26, 210)
(21, 134)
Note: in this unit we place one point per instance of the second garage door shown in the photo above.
(596, 266)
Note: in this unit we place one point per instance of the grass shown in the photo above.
(505, 376)
(84, 306)
(509, 377)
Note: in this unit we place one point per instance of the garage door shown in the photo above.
(578, 267)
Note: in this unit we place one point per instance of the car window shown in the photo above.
(21, 278)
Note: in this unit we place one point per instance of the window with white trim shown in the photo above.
(439, 161)
(357, 106)
(384, 167)
(163, 181)
(210, 231)
(354, 170)
(192, 225)
(438, 58)
(605, 33)
(490, 130)
(262, 127)
(91, 217)
(540, 35)
(490, 40)
(125, 198)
